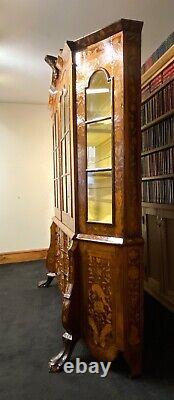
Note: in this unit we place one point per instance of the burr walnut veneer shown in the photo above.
(96, 243)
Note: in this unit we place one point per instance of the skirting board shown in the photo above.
(23, 256)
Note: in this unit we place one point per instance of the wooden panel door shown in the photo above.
(153, 250)
(158, 233)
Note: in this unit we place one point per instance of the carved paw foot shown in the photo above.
(47, 282)
(56, 363)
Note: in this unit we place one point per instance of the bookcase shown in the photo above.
(157, 157)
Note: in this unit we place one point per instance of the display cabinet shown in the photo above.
(96, 244)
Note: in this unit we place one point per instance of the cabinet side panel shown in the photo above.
(101, 292)
(132, 133)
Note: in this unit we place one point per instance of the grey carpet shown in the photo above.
(30, 333)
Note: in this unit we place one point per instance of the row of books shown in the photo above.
(158, 191)
(166, 74)
(158, 53)
(158, 135)
(160, 103)
(159, 163)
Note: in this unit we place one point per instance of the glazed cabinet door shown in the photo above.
(63, 146)
(56, 164)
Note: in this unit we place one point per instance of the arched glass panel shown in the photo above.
(66, 152)
(98, 99)
(99, 147)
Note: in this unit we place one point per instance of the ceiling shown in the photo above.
(30, 29)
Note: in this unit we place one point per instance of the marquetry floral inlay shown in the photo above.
(99, 300)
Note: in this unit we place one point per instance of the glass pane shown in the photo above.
(56, 166)
(64, 194)
(67, 111)
(53, 132)
(57, 155)
(58, 194)
(63, 157)
(55, 193)
(100, 196)
(69, 194)
(55, 163)
(99, 144)
(55, 129)
(98, 97)
(68, 152)
(62, 114)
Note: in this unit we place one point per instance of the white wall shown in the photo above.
(26, 193)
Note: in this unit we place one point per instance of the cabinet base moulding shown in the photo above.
(23, 256)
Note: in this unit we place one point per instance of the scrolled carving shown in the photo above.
(61, 260)
(59, 257)
(52, 62)
(51, 254)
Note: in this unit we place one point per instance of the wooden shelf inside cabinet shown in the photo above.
(157, 120)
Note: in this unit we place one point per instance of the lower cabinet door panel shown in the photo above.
(112, 298)
(158, 233)
(99, 329)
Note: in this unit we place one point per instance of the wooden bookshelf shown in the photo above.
(156, 149)
(158, 177)
(156, 205)
(154, 177)
(157, 120)
(159, 88)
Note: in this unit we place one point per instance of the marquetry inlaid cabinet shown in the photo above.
(96, 244)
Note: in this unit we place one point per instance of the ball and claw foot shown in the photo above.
(56, 363)
(47, 282)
